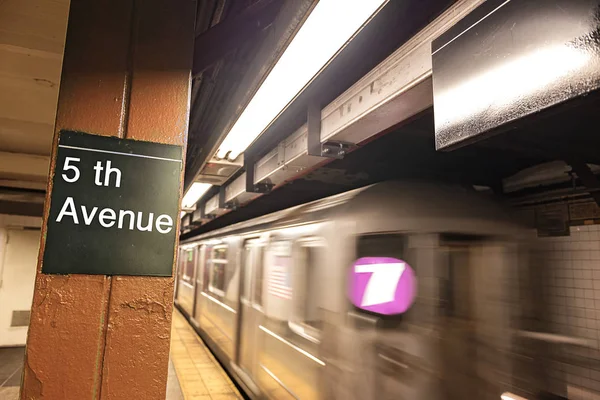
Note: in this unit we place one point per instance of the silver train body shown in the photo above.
(270, 296)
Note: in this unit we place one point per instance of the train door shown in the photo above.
(389, 352)
(251, 305)
(454, 341)
(199, 269)
(186, 289)
(474, 318)
(289, 366)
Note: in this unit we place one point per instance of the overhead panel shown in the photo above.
(213, 206)
(198, 217)
(217, 172)
(287, 160)
(510, 59)
(236, 194)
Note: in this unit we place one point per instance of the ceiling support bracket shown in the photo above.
(252, 187)
(199, 216)
(222, 203)
(587, 177)
(329, 149)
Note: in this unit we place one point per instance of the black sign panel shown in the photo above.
(552, 220)
(114, 207)
(509, 59)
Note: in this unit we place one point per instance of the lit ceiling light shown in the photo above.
(194, 193)
(330, 25)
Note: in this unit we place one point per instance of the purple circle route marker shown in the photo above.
(382, 285)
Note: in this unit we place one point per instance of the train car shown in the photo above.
(392, 291)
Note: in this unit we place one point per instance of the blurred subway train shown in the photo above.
(393, 291)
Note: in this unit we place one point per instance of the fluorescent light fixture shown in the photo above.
(326, 30)
(194, 193)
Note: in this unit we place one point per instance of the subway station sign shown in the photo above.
(113, 207)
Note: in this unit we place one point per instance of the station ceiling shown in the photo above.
(32, 40)
(32, 35)
(251, 34)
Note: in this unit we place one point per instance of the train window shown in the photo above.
(248, 267)
(308, 261)
(457, 277)
(393, 245)
(259, 276)
(386, 245)
(180, 263)
(205, 267)
(200, 257)
(188, 263)
(279, 270)
(252, 272)
(216, 265)
(457, 291)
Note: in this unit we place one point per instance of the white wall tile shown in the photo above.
(573, 294)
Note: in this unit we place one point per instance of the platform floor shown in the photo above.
(194, 374)
(11, 366)
(199, 373)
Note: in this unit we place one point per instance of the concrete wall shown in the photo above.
(18, 260)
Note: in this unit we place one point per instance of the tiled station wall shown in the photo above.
(571, 281)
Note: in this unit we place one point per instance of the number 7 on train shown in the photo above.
(383, 282)
(382, 285)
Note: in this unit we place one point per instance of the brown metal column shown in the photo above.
(126, 73)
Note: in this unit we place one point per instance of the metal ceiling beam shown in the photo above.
(24, 167)
(20, 184)
(21, 202)
(208, 14)
(223, 38)
(21, 208)
(24, 196)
